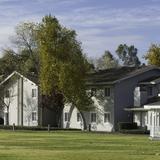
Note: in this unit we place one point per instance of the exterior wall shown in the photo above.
(12, 103)
(72, 123)
(137, 97)
(103, 105)
(30, 104)
(124, 96)
(140, 97)
(143, 97)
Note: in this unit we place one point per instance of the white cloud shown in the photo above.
(98, 27)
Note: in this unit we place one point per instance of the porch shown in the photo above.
(140, 116)
(154, 120)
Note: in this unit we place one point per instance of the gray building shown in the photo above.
(118, 97)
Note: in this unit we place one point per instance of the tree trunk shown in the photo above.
(70, 114)
(84, 121)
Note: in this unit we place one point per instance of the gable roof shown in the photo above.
(15, 73)
(114, 75)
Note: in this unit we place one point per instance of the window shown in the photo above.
(150, 91)
(93, 117)
(7, 94)
(34, 93)
(78, 117)
(107, 117)
(93, 92)
(107, 92)
(66, 116)
(143, 88)
(34, 116)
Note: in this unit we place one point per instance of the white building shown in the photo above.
(153, 119)
(21, 103)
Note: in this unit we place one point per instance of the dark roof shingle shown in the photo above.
(111, 76)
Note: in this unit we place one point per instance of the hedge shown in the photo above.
(35, 128)
(127, 125)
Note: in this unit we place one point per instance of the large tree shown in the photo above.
(107, 61)
(153, 55)
(63, 67)
(128, 55)
(25, 59)
(25, 40)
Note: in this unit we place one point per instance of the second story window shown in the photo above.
(34, 93)
(107, 92)
(150, 91)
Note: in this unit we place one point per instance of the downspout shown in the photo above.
(18, 110)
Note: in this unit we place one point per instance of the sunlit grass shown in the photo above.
(25, 145)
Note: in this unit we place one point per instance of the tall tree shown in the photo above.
(128, 55)
(25, 41)
(153, 55)
(107, 61)
(8, 62)
(63, 67)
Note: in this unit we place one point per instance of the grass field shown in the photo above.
(28, 145)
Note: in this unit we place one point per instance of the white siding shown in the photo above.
(100, 110)
(140, 118)
(30, 104)
(102, 105)
(11, 101)
(72, 123)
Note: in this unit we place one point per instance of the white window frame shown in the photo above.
(108, 91)
(66, 116)
(109, 119)
(95, 117)
(34, 92)
(34, 116)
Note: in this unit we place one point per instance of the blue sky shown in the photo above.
(100, 24)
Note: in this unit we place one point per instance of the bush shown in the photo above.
(127, 125)
(135, 131)
(35, 128)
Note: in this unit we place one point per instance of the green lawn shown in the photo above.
(21, 145)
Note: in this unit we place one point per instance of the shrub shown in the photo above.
(35, 128)
(127, 125)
